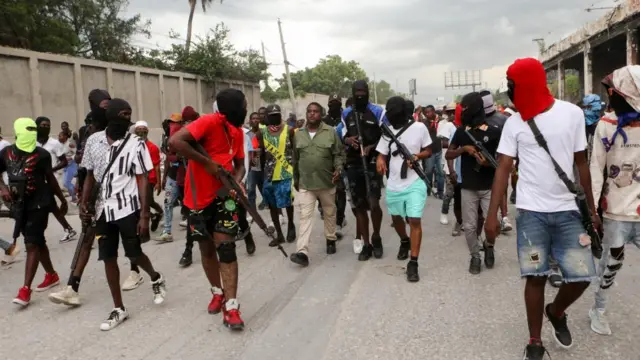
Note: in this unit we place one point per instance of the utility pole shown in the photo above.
(264, 58)
(375, 93)
(286, 68)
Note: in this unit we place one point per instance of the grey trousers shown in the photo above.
(471, 200)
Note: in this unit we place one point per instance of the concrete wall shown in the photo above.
(56, 86)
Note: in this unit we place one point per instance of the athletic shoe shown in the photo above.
(10, 258)
(116, 317)
(366, 253)
(475, 265)
(489, 256)
(231, 315)
(299, 258)
(277, 241)
(555, 279)
(357, 246)
(250, 244)
(217, 302)
(457, 229)
(66, 296)
(69, 235)
(376, 242)
(132, 281)
(155, 221)
(262, 206)
(412, 271)
(24, 296)
(249, 219)
(331, 247)
(165, 237)
(444, 219)
(599, 322)
(534, 352)
(183, 223)
(159, 288)
(405, 247)
(561, 332)
(186, 259)
(291, 234)
(505, 225)
(50, 280)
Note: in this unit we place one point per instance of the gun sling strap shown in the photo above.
(405, 166)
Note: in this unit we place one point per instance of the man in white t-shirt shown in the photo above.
(58, 162)
(446, 129)
(406, 193)
(548, 222)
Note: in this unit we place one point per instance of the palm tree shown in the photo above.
(192, 6)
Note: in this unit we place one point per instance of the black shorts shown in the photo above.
(108, 235)
(221, 216)
(34, 225)
(357, 185)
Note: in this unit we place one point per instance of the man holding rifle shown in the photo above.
(470, 141)
(406, 191)
(360, 130)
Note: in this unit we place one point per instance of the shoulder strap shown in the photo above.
(572, 186)
(115, 156)
(404, 128)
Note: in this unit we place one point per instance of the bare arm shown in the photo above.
(580, 159)
(143, 183)
(500, 183)
(453, 151)
(181, 143)
(62, 163)
(55, 187)
(89, 182)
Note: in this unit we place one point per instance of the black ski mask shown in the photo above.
(472, 110)
(118, 116)
(360, 100)
(43, 132)
(98, 113)
(397, 112)
(511, 90)
(273, 120)
(410, 107)
(232, 104)
(335, 109)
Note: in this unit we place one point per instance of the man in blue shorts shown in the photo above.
(406, 193)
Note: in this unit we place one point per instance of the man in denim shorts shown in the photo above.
(548, 221)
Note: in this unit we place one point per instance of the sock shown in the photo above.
(216, 290)
(414, 259)
(74, 282)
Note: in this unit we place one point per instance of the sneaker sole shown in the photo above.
(20, 302)
(594, 329)
(60, 301)
(133, 287)
(553, 333)
(234, 327)
(113, 327)
(48, 287)
(163, 241)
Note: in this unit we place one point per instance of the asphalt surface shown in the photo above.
(337, 308)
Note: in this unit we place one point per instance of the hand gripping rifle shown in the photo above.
(88, 224)
(230, 184)
(483, 150)
(406, 154)
(363, 156)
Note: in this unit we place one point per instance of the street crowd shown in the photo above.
(573, 171)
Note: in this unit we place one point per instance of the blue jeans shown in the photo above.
(171, 193)
(559, 234)
(432, 165)
(69, 173)
(254, 179)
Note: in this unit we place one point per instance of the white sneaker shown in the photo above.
(358, 245)
(183, 223)
(159, 290)
(249, 219)
(69, 235)
(116, 317)
(165, 237)
(11, 257)
(133, 281)
(599, 322)
(506, 225)
(444, 219)
(66, 296)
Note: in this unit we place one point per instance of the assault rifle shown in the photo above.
(363, 156)
(86, 235)
(406, 154)
(483, 150)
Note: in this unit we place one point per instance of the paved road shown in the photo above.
(337, 308)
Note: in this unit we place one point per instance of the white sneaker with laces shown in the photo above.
(159, 290)
(165, 237)
(444, 219)
(358, 245)
(69, 235)
(132, 281)
(599, 322)
(506, 225)
(66, 296)
(116, 317)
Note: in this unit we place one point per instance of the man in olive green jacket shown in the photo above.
(318, 159)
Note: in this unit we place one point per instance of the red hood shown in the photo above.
(458, 120)
(532, 96)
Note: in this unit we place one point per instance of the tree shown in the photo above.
(192, 9)
(572, 88)
(383, 91)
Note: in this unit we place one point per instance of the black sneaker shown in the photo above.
(291, 234)
(339, 235)
(300, 259)
(250, 244)
(555, 280)
(262, 206)
(534, 352)
(475, 266)
(376, 242)
(405, 247)
(412, 271)
(512, 198)
(155, 221)
(366, 253)
(489, 256)
(186, 259)
(276, 242)
(561, 331)
(331, 247)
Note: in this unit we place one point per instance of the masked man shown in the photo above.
(30, 188)
(363, 120)
(548, 222)
(406, 193)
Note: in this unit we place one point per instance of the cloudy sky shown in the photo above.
(395, 40)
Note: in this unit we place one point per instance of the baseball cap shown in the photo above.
(335, 97)
(176, 117)
(273, 109)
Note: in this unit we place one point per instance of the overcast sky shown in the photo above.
(397, 40)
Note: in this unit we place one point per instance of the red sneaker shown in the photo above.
(24, 296)
(50, 280)
(232, 319)
(216, 304)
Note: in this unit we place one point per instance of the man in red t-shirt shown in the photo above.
(211, 215)
(141, 128)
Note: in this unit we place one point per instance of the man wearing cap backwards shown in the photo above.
(369, 117)
(30, 188)
(276, 150)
